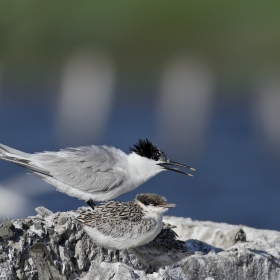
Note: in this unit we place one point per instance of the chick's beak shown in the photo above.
(170, 205)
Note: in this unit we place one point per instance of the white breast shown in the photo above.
(124, 242)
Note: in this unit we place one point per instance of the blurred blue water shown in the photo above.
(237, 180)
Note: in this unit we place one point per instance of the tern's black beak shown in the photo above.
(165, 165)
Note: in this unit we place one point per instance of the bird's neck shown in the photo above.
(152, 211)
(142, 169)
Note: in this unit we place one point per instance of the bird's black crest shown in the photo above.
(145, 148)
(151, 199)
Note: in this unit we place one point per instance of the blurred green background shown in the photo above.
(239, 38)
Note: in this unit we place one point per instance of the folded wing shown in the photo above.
(88, 168)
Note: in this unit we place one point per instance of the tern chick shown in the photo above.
(122, 225)
(164, 250)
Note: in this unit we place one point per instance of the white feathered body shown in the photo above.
(89, 172)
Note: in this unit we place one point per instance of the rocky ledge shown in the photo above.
(54, 246)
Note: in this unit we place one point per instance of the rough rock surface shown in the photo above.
(54, 246)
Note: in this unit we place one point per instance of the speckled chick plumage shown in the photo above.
(123, 225)
(164, 250)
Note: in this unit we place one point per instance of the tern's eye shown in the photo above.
(157, 155)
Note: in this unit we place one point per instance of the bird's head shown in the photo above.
(153, 202)
(145, 148)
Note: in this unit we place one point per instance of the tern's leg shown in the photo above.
(91, 204)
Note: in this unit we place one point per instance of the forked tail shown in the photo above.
(20, 158)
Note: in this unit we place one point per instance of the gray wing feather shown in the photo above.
(125, 229)
(88, 168)
(119, 228)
